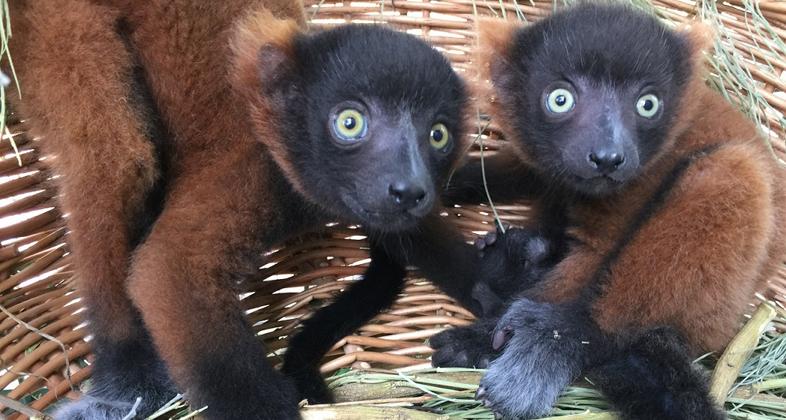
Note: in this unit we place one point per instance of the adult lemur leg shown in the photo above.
(184, 281)
(75, 73)
(378, 289)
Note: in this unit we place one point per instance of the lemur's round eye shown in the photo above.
(350, 125)
(440, 136)
(560, 101)
(648, 105)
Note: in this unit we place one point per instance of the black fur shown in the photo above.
(435, 247)
(404, 87)
(122, 373)
(439, 251)
(567, 51)
(653, 378)
(511, 263)
(515, 263)
(378, 289)
(225, 380)
(468, 346)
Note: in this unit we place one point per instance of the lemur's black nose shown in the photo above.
(408, 195)
(606, 161)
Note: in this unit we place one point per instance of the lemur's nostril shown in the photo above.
(606, 162)
(407, 194)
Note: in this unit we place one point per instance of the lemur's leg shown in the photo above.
(357, 305)
(211, 234)
(80, 95)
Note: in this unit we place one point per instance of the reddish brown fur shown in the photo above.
(252, 35)
(108, 165)
(192, 236)
(697, 263)
(494, 37)
(184, 238)
(75, 100)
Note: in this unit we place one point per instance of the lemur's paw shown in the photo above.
(468, 346)
(542, 355)
(510, 263)
(523, 245)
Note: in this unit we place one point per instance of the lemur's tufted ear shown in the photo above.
(700, 38)
(495, 37)
(263, 48)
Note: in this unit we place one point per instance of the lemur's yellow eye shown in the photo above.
(560, 101)
(350, 125)
(648, 105)
(440, 136)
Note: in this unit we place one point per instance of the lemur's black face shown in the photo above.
(375, 120)
(597, 94)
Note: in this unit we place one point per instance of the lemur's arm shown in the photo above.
(441, 252)
(707, 240)
(362, 301)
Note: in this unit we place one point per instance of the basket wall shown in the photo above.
(41, 332)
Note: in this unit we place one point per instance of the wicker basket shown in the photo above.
(41, 332)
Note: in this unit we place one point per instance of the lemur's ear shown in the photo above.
(491, 56)
(495, 38)
(264, 56)
(700, 38)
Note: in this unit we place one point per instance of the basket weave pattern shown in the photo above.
(42, 333)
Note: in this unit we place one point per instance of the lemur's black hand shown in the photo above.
(468, 346)
(511, 262)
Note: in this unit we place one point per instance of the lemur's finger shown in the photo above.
(501, 336)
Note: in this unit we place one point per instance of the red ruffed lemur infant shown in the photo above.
(191, 136)
(661, 213)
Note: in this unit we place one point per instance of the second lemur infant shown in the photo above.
(665, 200)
